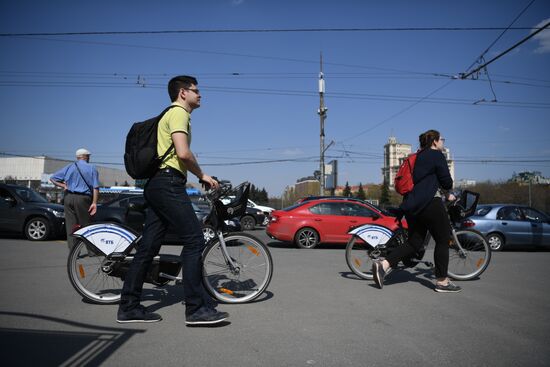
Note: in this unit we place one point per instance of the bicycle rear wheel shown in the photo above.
(250, 278)
(84, 267)
(470, 263)
(358, 258)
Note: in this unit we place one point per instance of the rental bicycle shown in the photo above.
(469, 252)
(237, 267)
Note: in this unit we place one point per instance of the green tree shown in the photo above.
(360, 192)
(264, 197)
(253, 194)
(258, 196)
(385, 194)
(347, 190)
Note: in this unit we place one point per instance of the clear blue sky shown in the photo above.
(259, 89)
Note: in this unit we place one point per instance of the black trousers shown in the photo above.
(432, 218)
(169, 205)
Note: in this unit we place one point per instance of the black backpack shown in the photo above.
(140, 157)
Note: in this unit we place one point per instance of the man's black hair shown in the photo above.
(179, 82)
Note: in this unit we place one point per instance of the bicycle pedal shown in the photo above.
(429, 264)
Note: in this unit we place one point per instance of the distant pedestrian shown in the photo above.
(80, 181)
(425, 211)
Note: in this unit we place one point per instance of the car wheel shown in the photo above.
(306, 238)
(248, 223)
(496, 242)
(208, 233)
(37, 229)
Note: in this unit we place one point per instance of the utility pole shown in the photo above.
(322, 115)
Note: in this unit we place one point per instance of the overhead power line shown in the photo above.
(356, 135)
(349, 159)
(242, 75)
(466, 75)
(267, 30)
(480, 57)
(283, 92)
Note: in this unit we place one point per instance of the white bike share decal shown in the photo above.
(373, 234)
(108, 238)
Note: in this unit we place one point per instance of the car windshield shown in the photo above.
(29, 196)
(289, 208)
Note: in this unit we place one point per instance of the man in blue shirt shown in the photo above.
(80, 181)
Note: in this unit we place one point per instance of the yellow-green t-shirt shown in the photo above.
(175, 120)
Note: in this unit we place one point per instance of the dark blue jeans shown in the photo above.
(168, 205)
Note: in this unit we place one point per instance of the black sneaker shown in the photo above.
(378, 273)
(206, 316)
(138, 314)
(449, 288)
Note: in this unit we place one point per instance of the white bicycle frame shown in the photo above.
(112, 238)
(375, 235)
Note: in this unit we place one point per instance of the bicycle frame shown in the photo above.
(236, 267)
(115, 240)
(469, 252)
(377, 236)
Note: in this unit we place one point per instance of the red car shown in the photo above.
(324, 220)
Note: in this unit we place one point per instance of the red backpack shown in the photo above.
(404, 179)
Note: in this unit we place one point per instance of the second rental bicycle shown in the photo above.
(469, 252)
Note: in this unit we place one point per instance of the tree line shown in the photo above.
(536, 196)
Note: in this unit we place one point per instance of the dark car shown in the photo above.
(23, 210)
(251, 218)
(507, 225)
(127, 209)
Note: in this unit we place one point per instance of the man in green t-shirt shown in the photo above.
(169, 206)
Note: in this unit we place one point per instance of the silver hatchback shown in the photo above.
(507, 225)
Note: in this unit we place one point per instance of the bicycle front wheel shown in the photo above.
(358, 258)
(88, 278)
(474, 257)
(250, 276)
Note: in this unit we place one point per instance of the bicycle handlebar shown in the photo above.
(214, 194)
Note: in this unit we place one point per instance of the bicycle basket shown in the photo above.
(237, 206)
(465, 206)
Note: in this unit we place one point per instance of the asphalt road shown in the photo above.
(316, 313)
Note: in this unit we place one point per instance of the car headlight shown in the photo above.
(57, 213)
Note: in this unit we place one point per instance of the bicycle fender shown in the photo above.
(372, 234)
(107, 237)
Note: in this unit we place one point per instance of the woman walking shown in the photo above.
(425, 211)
